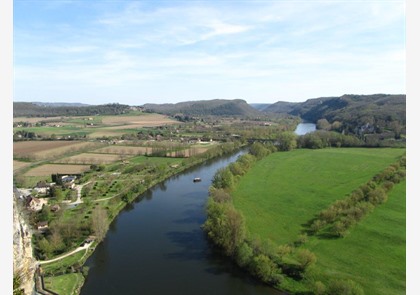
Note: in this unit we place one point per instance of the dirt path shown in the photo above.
(84, 247)
(79, 193)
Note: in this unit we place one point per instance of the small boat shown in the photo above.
(197, 179)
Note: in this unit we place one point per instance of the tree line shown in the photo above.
(337, 219)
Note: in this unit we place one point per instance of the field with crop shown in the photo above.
(92, 127)
(124, 150)
(286, 190)
(48, 169)
(18, 165)
(144, 120)
(41, 150)
(91, 158)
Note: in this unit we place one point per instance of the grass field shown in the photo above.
(284, 191)
(374, 253)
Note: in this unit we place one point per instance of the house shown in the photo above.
(35, 204)
(42, 187)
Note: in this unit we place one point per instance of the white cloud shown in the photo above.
(265, 48)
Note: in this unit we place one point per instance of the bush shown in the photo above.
(344, 287)
(339, 229)
(265, 269)
(319, 288)
(305, 259)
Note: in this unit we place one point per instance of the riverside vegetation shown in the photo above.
(314, 221)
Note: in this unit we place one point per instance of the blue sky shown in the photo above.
(137, 52)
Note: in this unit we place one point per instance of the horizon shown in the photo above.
(135, 52)
(200, 100)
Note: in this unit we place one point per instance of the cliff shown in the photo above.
(24, 263)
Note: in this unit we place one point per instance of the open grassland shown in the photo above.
(286, 190)
(48, 169)
(91, 158)
(374, 253)
(42, 150)
(68, 284)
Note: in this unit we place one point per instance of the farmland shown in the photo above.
(48, 169)
(283, 192)
(91, 127)
(42, 150)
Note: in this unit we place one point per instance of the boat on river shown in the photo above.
(197, 179)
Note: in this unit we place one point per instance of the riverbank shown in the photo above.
(129, 194)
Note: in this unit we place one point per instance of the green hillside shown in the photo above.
(215, 107)
(376, 113)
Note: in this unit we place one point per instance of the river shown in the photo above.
(303, 128)
(156, 245)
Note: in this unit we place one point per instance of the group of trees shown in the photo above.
(337, 219)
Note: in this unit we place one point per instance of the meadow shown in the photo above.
(284, 191)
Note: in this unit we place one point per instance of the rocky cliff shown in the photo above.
(24, 263)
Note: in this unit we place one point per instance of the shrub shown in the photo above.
(344, 287)
(305, 258)
(319, 288)
(339, 229)
(265, 269)
(317, 225)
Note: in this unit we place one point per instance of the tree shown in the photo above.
(225, 226)
(100, 223)
(265, 269)
(323, 124)
(223, 179)
(287, 141)
(244, 254)
(305, 258)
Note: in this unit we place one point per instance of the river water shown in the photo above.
(156, 245)
(303, 128)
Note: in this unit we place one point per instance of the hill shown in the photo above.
(377, 112)
(259, 106)
(33, 109)
(281, 107)
(215, 107)
(60, 104)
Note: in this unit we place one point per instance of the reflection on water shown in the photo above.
(304, 128)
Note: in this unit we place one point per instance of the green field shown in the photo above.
(374, 253)
(285, 190)
(65, 284)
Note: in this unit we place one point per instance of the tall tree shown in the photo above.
(100, 223)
